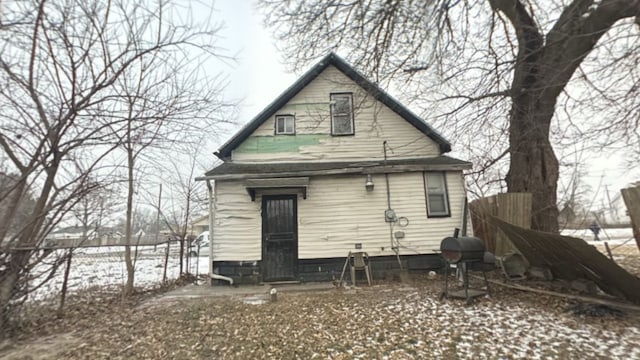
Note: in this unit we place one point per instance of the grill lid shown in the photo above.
(456, 249)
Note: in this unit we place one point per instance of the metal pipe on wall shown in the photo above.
(395, 246)
(212, 216)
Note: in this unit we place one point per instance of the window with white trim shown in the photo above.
(342, 114)
(436, 194)
(285, 125)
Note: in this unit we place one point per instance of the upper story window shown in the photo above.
(342, 114)
(285, 125)
(437, 198)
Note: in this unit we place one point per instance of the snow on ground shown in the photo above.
(504, 329)
(105, 267)
(386, 321)
(612, 236)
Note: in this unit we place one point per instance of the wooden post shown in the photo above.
(606, 246)
(65, 281)
(631, 198)
(155, 242)
(166, 261)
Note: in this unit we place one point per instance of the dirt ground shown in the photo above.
(391, 320)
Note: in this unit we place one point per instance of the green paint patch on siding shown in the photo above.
(276, 144)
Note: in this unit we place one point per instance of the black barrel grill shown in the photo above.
(462, 249)
(466, 253)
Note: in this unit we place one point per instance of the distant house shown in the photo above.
(71, 236)
(333, 165)
(200, 225)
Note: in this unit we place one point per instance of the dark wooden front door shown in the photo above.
(279, 237)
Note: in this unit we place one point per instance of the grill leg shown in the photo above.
(465, 280)
(486, 282)
(445, 290)
(353, 276)
(366, 271)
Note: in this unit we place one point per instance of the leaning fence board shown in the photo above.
(589, 299)
(631, 198)
(570, 259)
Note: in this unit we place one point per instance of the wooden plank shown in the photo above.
(481, 210)
(570, 259)
(631, 198)
(589, 299)
(514, 208)
(539, 255)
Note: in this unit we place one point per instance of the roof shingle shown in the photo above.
(249, 170)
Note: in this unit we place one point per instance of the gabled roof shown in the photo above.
(371, 88)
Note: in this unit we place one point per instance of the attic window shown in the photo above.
(285, 125)
(342, 114)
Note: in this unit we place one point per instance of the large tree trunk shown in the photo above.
(534, 166)
(543, 67)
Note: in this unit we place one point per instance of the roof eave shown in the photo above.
(389, 169)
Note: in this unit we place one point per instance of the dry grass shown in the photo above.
(389, 320)
(627, 256)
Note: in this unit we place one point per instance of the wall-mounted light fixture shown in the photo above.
(369, 183)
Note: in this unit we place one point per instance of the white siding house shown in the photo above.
(290, 199)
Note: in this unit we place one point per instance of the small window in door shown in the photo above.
(285, 125)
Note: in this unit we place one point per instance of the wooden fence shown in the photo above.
(514, 208)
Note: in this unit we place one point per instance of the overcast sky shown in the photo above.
(259, 77)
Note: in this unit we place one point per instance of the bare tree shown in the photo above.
(506, 66)
(60, 64)
(575, 203)
(95, 207)
(161, 111)
(187, 197)
(90, 211)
